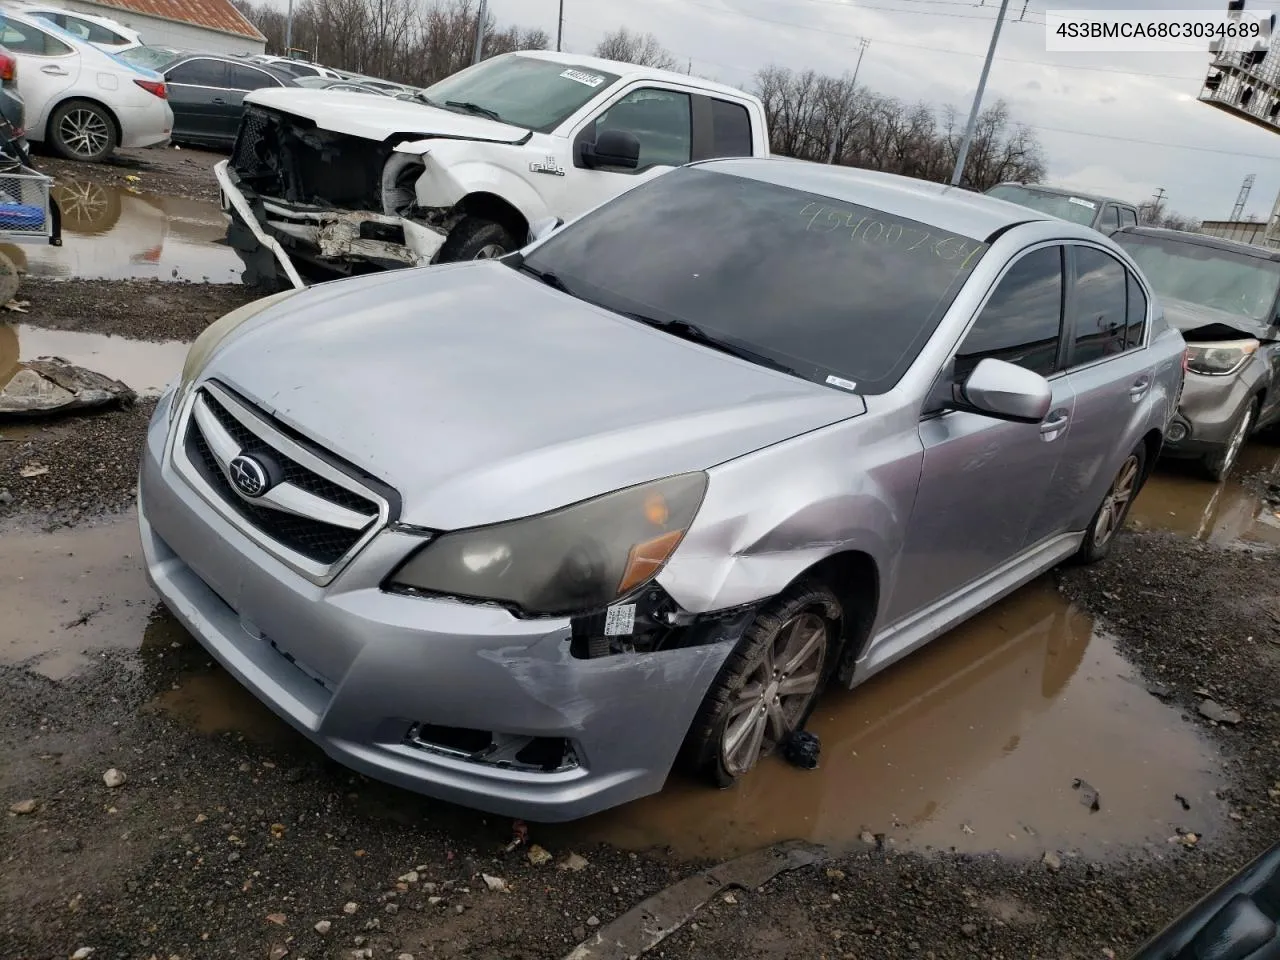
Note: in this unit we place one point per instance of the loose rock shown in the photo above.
(323, 927)
(1052, 861)
(538, 856)
(350, 908)
(114, 778)
(1211, 710)
(23, 807)
(496, 884)
(84, 953)
(410, 877)
(593, 921)
(575, 863)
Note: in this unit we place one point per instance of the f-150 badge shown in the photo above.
(548, 165)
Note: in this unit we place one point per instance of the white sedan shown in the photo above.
(103, 32)
(81, 101)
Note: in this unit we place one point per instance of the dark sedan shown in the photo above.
(206, 93)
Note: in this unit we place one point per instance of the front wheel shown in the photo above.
(80, 130)
(768, 685)
(1114, 509)
(474, 238)
(1218, 465)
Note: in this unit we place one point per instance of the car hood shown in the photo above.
(1186, 316)
(376, 118)
(482, 395)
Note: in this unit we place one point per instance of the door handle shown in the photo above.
(1139, 389)
(1052, 427)
(219, 100)
(54, 69)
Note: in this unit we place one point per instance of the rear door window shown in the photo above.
(200, 73)
(1022, 321)
(21, 38)
(1100, 304)
(247, 78)
(1137, 315)
(730, 129)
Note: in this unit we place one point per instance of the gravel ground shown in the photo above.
(175, 171)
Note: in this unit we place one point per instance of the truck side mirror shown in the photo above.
(544, 228)
(613, 148)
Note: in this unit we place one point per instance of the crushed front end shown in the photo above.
(309, 204)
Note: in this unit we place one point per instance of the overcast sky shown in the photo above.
(1087, 119)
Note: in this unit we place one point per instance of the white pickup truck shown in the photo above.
(324, 184)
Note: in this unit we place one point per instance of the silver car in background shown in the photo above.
(522, 533)
(1224, 297)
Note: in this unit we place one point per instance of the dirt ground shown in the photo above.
(173, 171)
(231, 836)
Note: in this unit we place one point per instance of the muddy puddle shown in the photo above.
(146, 367)
(117, 233)
(972, 744)
(1178, 499)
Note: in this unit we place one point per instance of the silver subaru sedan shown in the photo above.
(527, 533)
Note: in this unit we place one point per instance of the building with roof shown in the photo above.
(209, 26)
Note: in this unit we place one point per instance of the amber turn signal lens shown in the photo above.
(645, 559)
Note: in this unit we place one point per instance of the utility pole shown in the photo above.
(288, 30)
(481, 16)
(560, 27)
(977, 97)
(863, 43)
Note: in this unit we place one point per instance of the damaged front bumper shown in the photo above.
(274, 236)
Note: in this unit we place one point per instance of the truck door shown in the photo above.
(660, 118)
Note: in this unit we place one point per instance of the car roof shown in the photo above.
(628, 70)
(1203, 240)
(955, 209)
(1065, 192)
(184, 55)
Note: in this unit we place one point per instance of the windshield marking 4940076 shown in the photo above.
(948, 247)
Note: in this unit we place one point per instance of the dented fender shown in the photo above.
(451, 171)
(763, 523)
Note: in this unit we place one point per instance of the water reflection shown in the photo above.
(144, 366)
(117, 233)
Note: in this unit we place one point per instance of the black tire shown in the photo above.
(1099, 537)
(702, 753)
(474, 238)
(97, 128)
(1218, 465)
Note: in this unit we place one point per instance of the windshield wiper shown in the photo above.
(545, 276)
(423, 98)
(695, 334)
(475, 108)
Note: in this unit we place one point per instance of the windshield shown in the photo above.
(523, 91)
(1075, 209)
(1218, 279)
(151, 58)
(826, 288)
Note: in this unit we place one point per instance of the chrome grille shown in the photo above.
(313, 515)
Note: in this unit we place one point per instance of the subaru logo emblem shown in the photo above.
(248, 475)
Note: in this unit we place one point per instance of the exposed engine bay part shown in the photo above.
(401, 172)
(653, 622)
(1212, 332)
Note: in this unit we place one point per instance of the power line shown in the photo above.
(1151, 143)
(920, 13)
(916, 46)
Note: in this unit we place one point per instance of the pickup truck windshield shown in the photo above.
(829, 290)
(1210, 277)
(1076, 209)
(523, 91)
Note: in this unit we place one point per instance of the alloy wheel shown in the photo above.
(490, 251)
(775, 695)
(84, 132)
(1113, 509)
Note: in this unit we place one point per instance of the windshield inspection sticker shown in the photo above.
(841, 383)
(590, 79)
(619, 621)
(1084, 203)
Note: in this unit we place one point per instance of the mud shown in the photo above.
(146, 367)
(970, 745)
(172, 171)
(119, 233)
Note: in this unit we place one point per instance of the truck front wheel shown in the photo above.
(474, 238)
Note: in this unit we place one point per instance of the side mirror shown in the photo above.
(1004, 391)
(544, 228)
(613, 148)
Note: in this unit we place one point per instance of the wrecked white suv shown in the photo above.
(323, 184)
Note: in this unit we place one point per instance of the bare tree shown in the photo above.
(1159, 215)
(399, 40)
(641, 49)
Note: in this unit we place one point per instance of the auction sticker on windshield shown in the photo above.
(1084, 203)
(590, 79)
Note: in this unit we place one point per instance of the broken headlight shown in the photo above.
(212, 337)
(576, 559)
(1219, 359)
